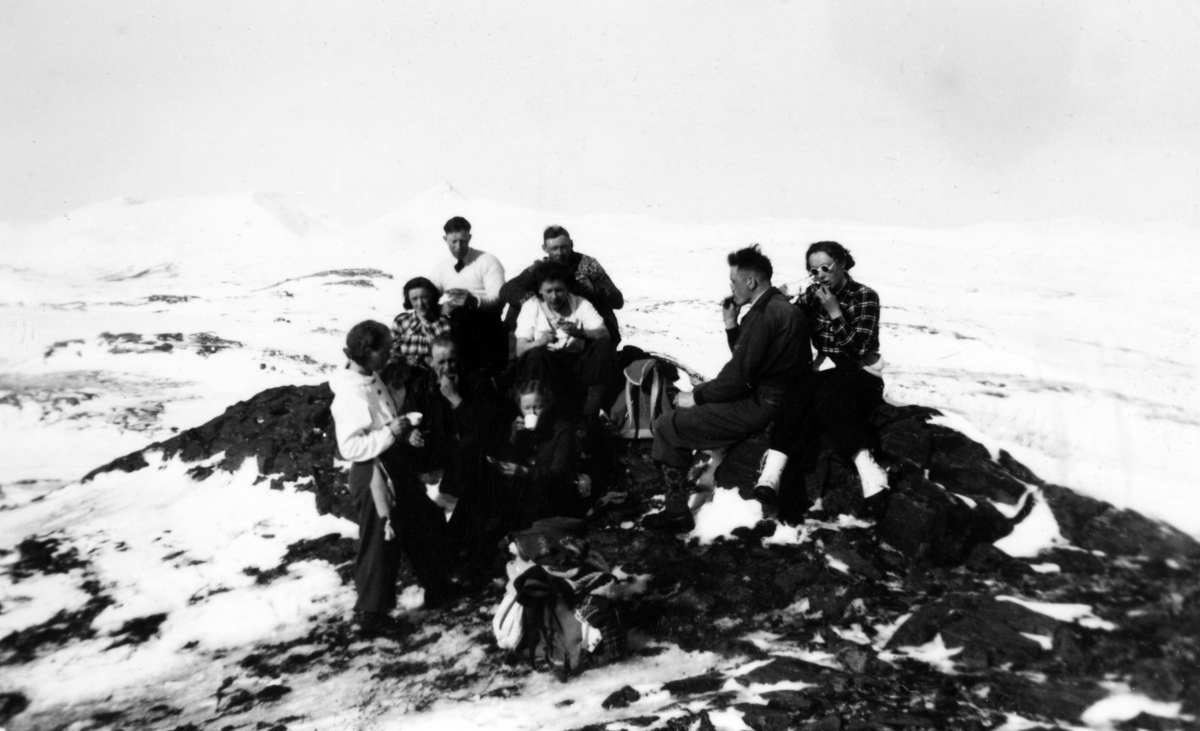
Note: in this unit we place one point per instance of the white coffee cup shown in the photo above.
(414, 418)
(531, 421)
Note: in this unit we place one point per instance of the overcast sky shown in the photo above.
(897, 113)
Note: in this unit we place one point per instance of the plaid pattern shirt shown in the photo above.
(851, 336)
(412, 336)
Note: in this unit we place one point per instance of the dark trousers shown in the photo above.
(534, 500)
(838, 404)
(480, 519)
(570, 375)
(708, 426)
(481, 339)
(420, 534)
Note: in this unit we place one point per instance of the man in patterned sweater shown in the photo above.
(588, 280)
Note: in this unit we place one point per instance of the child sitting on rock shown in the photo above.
(539, 468)
(392, 515)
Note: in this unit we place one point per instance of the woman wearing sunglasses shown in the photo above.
(847, 382)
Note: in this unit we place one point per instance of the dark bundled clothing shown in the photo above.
(768, 358)
(482, 417)
(549, 488)
(481, 338)
(458, 442)
(713, 426)
(768, 368)
(839, 406)
(573, 376)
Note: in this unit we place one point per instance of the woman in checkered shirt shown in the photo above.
(422, 321)
(847, 382)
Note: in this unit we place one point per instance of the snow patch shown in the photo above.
(1038, 532)
(725, 512)
(1123, 705)
(1080, 613)
(934, 653)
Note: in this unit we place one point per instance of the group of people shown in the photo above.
(493, 409)
(441, 398)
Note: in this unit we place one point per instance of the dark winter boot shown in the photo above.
(380, 624)
(676, 517)
(593, 401)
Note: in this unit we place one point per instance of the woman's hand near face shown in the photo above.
(828, 301)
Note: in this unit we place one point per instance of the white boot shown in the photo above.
(771, 469)
(874, 479)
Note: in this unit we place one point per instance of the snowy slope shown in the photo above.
(1071, 344)
(1067, 344)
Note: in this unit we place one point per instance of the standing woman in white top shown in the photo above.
(367, 422)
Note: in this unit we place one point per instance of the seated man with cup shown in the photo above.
(461, 423)
(562, 340)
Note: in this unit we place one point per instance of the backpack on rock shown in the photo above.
(559, 603)
(648, 392)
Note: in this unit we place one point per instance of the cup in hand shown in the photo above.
(531, 421)
(414, 418)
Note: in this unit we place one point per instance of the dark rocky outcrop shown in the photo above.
(853, 602)
(288, 431)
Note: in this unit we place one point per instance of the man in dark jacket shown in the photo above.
(464, 422)
(587, 279)
(771, 357)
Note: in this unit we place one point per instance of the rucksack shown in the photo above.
(649, 393)
(558, 602)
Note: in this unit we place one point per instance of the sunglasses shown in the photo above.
(823, 269)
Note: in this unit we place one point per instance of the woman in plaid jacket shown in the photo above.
(422, 321)
(847, 379)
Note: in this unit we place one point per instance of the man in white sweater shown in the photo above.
(471, 280)
(468, 271)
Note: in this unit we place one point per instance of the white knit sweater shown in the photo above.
(362, 407)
